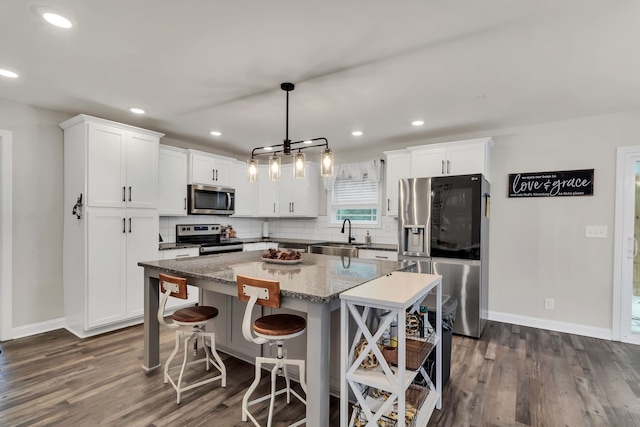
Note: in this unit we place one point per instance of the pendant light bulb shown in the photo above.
(299, 165)
(274, 168)
(326, 162)
(252, 170)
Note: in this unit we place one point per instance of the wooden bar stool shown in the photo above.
(274, 328)
(195, 318)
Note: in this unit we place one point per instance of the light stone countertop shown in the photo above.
(317, 278)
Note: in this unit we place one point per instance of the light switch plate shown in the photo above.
(597, 231)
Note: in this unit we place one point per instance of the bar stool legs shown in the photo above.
(280, 367)
(211, 358)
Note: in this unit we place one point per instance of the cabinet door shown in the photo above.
(211, 170)
(142, 171)
(224, 172)
(285, 191)
(267, 193)
(106, 267)
(306, 192)
(172, 183)
(106, 166)
(428, 162)
(246, 203)
(466, 159)
(398, 166)
(142, 245)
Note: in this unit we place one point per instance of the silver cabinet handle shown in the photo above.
(182, 255)
(129, 193)
(442, 168)
(124, 224)
(213, 174)
(185, 203)
(382, 257)
(274, 207)
(216, 174)
(293, 207)
(448, 171)
(124, 190)
(388, 205)
(129, 225)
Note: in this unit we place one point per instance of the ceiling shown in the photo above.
(462, 66)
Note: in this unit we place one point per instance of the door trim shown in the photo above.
(6, 246)
(624, 224)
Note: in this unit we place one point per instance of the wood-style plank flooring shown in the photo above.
(512, 376)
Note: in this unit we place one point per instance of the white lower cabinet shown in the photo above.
(386, 395)
(377, 254)
(193, 292)
(259, 246)
(110, 243)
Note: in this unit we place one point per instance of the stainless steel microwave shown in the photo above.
(209, 200)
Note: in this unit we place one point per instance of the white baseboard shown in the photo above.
(37, 328)
(552, 325)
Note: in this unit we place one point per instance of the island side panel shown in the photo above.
(318, 361)
(151, 357)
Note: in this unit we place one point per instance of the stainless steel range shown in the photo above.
(208, 236)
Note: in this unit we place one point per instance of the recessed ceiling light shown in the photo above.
(136, 110)
(57, 20)
(216, 133)
(8, 73)
(417, 122)
(356, 133)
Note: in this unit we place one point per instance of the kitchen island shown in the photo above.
(311, 286)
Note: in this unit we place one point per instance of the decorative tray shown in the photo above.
(282, 261)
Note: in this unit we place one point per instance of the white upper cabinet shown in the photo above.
(267, 193)
(299, 196)
(451, 158)
(122, 166)
(398, 166)
(172, 181)
(209, 169)
(246, 200)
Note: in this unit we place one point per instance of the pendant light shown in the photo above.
(299, 159)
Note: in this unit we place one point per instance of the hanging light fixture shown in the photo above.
(299, 162)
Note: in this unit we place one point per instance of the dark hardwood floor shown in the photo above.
(512, 376)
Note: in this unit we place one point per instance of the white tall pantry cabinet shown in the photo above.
(114, 168)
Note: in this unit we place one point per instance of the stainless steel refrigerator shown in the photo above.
(443, 226)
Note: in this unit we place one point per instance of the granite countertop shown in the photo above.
(172, 245)
(317, 278)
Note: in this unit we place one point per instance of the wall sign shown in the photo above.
(551, 184)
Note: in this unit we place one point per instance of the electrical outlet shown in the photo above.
(597, 231)
(548, 303)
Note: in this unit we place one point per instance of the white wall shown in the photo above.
(537, 246)
(37, 212)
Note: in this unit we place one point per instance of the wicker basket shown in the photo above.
(414, 398)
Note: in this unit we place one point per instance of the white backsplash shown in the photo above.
(304, 228)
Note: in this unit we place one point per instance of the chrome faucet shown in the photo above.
(351, 239)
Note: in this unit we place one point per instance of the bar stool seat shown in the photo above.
(279, 325)
(194, 318)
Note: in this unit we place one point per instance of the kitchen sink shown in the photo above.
(336, 249)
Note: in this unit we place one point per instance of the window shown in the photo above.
(357, 200)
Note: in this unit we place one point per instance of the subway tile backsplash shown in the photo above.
(303, 228)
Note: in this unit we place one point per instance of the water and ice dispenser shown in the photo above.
(414, 240)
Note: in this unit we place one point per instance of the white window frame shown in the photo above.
(331, 211)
